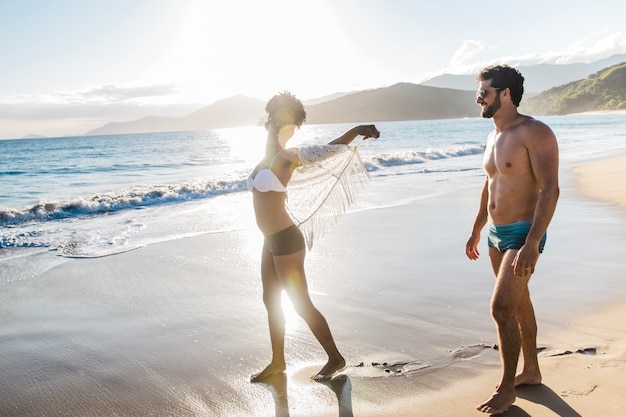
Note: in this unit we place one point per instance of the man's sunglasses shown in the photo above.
(481, 94)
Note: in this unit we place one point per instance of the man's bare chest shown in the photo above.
(505, 154)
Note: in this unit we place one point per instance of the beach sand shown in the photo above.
(176, 328)
(604, 180)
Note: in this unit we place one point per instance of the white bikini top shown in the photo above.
(265, 181)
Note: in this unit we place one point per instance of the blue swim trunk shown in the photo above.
(511, 236)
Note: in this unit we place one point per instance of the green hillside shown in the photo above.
(604, 90)
(402, 101)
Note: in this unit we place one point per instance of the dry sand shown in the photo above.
(604, 180)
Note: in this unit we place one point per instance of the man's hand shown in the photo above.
(525, 261)
(471, 247)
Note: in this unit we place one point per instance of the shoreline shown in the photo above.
(598, 112)
(151, 333)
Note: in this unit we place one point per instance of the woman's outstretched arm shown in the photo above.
(367, 131)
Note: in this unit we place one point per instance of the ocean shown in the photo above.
(163, 312)
(93, 196)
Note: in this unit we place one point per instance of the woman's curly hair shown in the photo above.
(285, 108)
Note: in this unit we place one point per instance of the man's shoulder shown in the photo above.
(530, 121)
(536, 128)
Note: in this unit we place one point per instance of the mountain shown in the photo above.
(604, 90)
(235, 111)
(402, 101)
(318, 100)
(537, 78)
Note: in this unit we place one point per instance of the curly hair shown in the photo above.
(285, 108)
(502, 77)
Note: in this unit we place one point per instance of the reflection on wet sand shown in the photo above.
(340, 385)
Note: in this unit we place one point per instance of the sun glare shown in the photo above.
(220, 49)
(247, 144)
(292, 319)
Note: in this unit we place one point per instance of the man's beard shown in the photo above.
(489, 111)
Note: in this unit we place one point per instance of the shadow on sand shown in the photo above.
(543, 395)
(340, 385)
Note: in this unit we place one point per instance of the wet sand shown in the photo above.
(177, 328)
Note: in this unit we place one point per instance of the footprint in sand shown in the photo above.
(385, 369)
(573, 393)
(612, 364)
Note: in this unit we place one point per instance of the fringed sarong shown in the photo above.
(324, 187)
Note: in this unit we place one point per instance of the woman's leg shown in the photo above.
(272, 292)
(290, 271)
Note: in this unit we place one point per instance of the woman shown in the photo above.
(282, 259)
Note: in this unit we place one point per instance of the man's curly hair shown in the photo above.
(503, 76)
(285, 108)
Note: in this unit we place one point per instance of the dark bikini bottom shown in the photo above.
(285, 242)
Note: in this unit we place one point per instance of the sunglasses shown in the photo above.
(481, 94)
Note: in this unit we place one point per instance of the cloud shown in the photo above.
(467, 53)
(112, 92)
(62, 119)
(465, 60)
(475, 54)
(124, 111)
(600, 45)
(75, 112)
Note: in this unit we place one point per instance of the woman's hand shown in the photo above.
(368, 131)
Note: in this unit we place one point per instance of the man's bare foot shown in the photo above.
(271, 369)
(331, 367)
(498, 403)
(528, 378)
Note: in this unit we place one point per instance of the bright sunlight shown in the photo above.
(252, 44)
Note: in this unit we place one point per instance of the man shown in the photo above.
(518, 200)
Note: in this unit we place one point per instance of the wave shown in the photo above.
(132, 198)
(150, 195)
(420, 157)
(11, 173)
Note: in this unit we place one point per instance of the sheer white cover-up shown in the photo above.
(324, 187)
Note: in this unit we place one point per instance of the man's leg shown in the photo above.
(530, 374)
(505, 301)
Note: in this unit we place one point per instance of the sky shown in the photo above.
(67, 67)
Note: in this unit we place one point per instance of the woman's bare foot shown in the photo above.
(271, 369)
(331, 367)
(498, 403)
